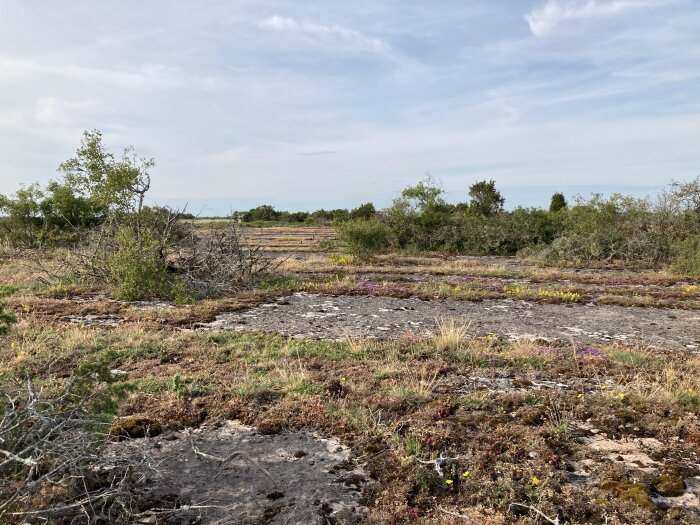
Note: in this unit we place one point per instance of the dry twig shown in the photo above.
(230, 457)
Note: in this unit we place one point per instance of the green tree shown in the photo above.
(485, 199)
(22, 222)
(109, 182)
(558, 202)
(94, 184)
(418, 215)
(264, 212)
(365, 211)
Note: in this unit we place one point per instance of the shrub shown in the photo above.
(687, 256)
(217, 262)
(137, 268)
(6, 319)
(364, 238)
(420, 218)
(366, 211)
(53, 469)
(616, 229)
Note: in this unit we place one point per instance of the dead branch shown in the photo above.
(230, 457)
(537, 511)
(439, 462)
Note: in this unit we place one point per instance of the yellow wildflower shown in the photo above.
(535, 480)
(449, 481)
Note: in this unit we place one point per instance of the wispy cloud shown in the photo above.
(543, 20)
(317, 153)
(334, 35)
(154, 76)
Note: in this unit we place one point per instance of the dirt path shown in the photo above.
(342, 317)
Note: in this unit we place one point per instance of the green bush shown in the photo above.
(6, 319)
(687, 256)
(420, 218)
(135, 266)
(609, 230)
(364, 238)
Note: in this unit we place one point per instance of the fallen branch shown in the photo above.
(554, 521)
(227, 459)
(438, 463)
(453, 514)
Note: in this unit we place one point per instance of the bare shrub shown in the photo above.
(53, 466)
(218, 262)
(45, 447)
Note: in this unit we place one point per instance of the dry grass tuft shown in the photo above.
(450, 334)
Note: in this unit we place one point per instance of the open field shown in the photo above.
(403, 389)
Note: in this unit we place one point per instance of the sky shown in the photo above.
(313, 104)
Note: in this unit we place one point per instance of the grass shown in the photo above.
(364, 391)
(509, 411)
(450, 334)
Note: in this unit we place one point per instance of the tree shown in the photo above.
(116, 184)
(264, 212)
(687, 194)
(426, 196)
(366, 211)
(485, 199)
(558, 202)
(95, 183)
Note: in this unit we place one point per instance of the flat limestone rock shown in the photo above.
(313, 475)
(304, 315)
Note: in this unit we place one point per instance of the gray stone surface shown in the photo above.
(355, 316)
(314, 478)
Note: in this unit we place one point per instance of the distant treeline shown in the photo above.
(590, 231)
(267, 213)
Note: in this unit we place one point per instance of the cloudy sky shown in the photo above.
(333, 103)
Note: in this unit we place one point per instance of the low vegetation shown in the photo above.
(514, 419)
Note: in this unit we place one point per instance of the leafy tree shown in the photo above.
(558, 202)
(116, 184)
(424, 198)
(365, 211)
(22, 221)
(418, 214)
(485, 199)
(264, 212)
(688, 195)
(94, 184)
